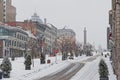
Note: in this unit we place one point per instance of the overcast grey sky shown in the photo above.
(76, 14)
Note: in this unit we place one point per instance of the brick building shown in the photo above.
(10, 11)
(7, 11)
(26, 25)
(1, 10)
(114, 21)
(1, 48)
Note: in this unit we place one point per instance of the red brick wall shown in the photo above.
(25, 25)
(1, 48)
(10, 12)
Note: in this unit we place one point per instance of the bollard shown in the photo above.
(48, 61)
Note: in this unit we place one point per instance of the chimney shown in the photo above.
(45, 20)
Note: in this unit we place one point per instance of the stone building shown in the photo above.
(12, 41)
(50, 38)
(42, 30)
(7, 11)
(114, 21)
(67, 33)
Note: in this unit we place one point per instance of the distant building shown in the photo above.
(67, 33)
(7, 11)
(36, 18)
(50, 37)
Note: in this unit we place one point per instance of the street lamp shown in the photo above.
(41, 38)
(33, 46)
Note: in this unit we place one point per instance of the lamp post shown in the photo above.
(40, 41)
(33, 53)
(42, 52)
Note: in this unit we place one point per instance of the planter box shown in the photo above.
(6, 75)
(104, 78)
(0, 75)
(12, 59)
(27, 67)
(42, 61)
(48, 61)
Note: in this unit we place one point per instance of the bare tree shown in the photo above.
(78, 49)
(88, 48)
(55, 46)
(67, 46)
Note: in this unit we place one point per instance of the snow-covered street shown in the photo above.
(64, 74)
(88, 71)
(59, 39)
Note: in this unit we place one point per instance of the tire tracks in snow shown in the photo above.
(64, 74)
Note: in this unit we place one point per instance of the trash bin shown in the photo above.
(48, 61)
(0, 74)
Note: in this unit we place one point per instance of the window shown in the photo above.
(3, 2)
(18, 36)
(4, 11)
(10, 42)
(5, 43)
(3, 19)
(15, 43)
(22, 38)
(20, 44)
